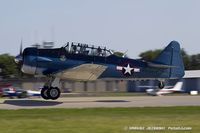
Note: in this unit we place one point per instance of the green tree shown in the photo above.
(150, 54)
(8, 66)
(195, 62)
(120, 54)
(186, 59)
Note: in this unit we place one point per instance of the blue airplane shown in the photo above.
(82, 62)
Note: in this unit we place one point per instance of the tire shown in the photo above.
(53, 93)
(44, 93)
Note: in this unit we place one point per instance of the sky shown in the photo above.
(133, 25)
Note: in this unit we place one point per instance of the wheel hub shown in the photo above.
(53, 92)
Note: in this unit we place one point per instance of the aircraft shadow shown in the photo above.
(31, 103)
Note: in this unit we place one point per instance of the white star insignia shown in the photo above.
(128, 69)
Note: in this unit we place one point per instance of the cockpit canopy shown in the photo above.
(86, 49)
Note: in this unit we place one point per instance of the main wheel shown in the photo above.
(53, 93)
(44, 92)
(161, 85)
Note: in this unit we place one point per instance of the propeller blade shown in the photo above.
(19, 57)
(21, 48)
(19, 60)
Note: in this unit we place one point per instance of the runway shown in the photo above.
(92, 102)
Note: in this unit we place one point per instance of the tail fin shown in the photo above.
(171, 56)
(178, 86)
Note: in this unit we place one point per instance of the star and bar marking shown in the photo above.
(127, 69)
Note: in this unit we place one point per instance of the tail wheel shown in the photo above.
(161, 85)
(53, 93)
(44, 92)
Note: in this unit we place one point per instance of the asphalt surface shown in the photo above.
(90, 102)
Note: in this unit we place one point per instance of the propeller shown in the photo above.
(19, 59)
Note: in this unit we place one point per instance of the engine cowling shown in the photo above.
(29, 61)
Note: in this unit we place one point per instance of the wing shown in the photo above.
(84, 72)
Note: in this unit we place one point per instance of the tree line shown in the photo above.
(9, 69)
(191, 62)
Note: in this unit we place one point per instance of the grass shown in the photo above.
(99, 120)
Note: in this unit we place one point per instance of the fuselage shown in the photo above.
(50, 61)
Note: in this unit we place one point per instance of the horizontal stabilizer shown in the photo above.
(156, 65)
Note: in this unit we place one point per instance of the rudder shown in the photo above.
(171, 56)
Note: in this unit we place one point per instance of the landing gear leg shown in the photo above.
(50, 89)
(161, 85)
